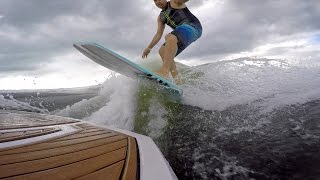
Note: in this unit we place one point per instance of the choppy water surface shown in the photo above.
(239, 119)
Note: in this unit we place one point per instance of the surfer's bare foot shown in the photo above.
(162, 74)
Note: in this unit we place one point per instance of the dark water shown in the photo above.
(239, 144)
(46, 100)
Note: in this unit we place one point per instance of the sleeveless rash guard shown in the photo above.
(176, 17)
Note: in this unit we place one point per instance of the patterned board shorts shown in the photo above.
(186, 34)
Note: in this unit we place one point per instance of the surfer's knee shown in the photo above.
(170, 38)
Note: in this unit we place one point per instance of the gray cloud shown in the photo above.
(246, 24)
(33, 31)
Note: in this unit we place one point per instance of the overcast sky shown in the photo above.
(36, 36)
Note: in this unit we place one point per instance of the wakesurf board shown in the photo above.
(122, 65)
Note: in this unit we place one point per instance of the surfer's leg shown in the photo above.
(161, 51)
(174, 73)
(170, 50)
(173, 69)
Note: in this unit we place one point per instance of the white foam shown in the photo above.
(157, 118)
(243, 81)
(11, 103)
(84, 108)
(119, 111)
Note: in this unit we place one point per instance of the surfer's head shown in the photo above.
(160, 3)
(163, 3)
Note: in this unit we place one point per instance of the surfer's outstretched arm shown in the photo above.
(156, 38)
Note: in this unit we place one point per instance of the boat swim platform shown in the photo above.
(41, 146)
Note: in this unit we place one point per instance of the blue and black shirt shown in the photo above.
(176, 17)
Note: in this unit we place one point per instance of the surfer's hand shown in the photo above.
(146, 52)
